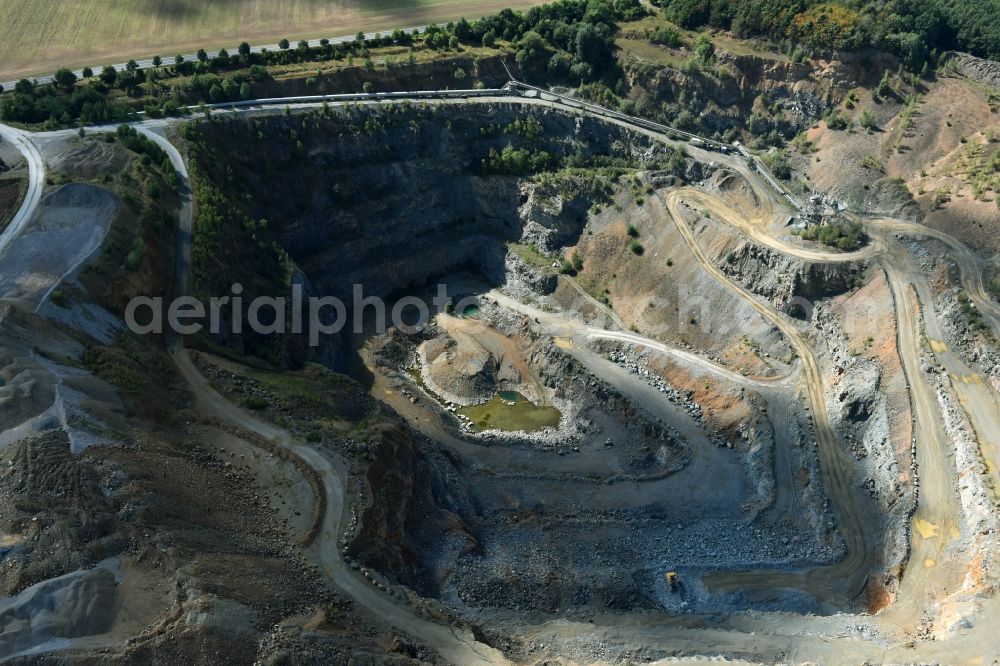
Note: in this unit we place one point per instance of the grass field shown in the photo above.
(40, 37)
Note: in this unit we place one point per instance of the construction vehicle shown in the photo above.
(672, 581)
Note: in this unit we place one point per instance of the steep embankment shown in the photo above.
(386, 199)
(737, 88)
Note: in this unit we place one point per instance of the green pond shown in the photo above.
(523, 415)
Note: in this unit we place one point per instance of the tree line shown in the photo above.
(571, 38)
(569, 41)
(914, 30)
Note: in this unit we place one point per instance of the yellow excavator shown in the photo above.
(672, 581)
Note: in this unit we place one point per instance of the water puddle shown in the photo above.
(511, 411)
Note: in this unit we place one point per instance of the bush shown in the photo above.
(637, 248)
(777, 162)
(254, 402)
(666, 36)
(136, 253)
(835, 121)
(867, 120)
(518, 161)
(704, 49)
(567, 268)
(846, 237)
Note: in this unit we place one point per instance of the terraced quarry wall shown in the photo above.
(388, 200)
(397, 198)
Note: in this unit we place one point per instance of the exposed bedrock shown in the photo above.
(781, 277)
(391, 199)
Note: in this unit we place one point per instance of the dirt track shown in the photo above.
(847, 576)
(776, 637)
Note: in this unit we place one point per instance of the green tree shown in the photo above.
(689, 13)
(245, 90)
(202, 55)
(530, 47)
(367, 87)
(704, 49)
(459, 74)
(178, 59)
(559, 65)
(108, 75)
(157, 61)
(867, 120)
(463, 30)
(490, 39)
(884, 89)
(667, 36)
(64, 78)
(283, 45)
(244, 50)
(131, 66)
(593, 46)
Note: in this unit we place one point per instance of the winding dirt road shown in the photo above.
(968, 263)
(847, 576)
(562, 326)
(938, 510)
(456, 645)
(778, 636)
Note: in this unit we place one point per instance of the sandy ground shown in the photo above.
(928, 154)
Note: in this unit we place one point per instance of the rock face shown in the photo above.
(984, 72)
(413, 204)
(783, 278)
(800, 92)
(394, 198)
